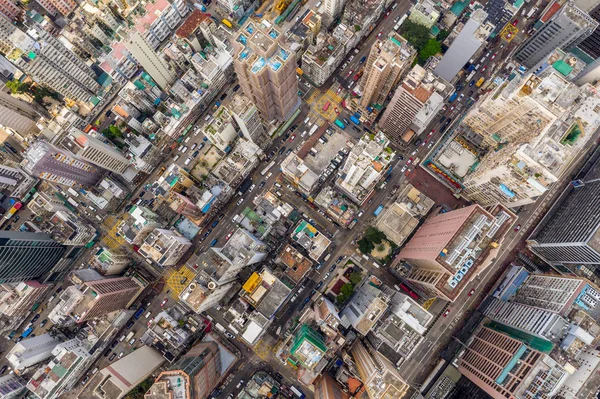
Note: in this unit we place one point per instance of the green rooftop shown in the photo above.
(533, 342)
(562, 67)
(306, 333)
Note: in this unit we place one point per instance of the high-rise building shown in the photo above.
(49, 62)
(567, 235)
(591, 45)
(561, 29)
(94, 298)
(388, 60)
(12, 386)
(68, 229)
(203, 366)
(109, 262)
(117, 379)
(334, 8)
(247, 117)
(27, 256)
(379, 375)
(448, 248)
(472, 36)
(425, 13)
(555, 293)
(42, 204)
(48, 162)
(155, 64)
(506, 367)
(308, 347)
(410, 97)
(367, 306)
(31, 351)
(18, 115)
(266, 70)
(326, 387)
(530, 319)
(95, 151)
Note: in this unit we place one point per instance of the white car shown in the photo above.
(240, 201)
(430, 145)
(252, 187)
(360, 213)
(414, 152)
(403, 169)
(269, 174)
(356, 51)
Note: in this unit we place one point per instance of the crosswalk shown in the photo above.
(178, 280)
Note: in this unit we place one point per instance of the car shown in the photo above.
(239, 384)
(431, 133)
(379, 34)
(228, 236)
(518, 227)
(446, 313)
(252, 187)
(35, 318)
(515, 22)
(16, 218)
(424, 143)
(236, 88)
(339, 259)
(279, 376)
(360, 213)
(282, 150)
(288, 152)
(292, 138)
(371, 200)
(208, 231)
(3, 369)
(43, 323)
(326, 276)
(483, 69)
(269, 174)
(332, 268)
(472, 292)
(231, 395)
(414, 152)
(164, 302)
(343, 66)
(409, 160)
(239, 202)
(150, 322)
(471, 83)
(387, 14)
(452, 108)
(214, 224)
(403, 169)
(112, 357)
(471, 93)
(430, 145)
(85, 379)
(114, 344)
(461, 96)
(19, 340)
(494, 56)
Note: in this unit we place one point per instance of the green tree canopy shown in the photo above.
(416, 34)
(432, 47)
(355, 277)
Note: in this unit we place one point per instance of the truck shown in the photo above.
(378, 210)
(470, 76)
(130, 335)
(471, 68)
(244, 186)
(354, 120)
(227, 23)
(453, 97)
(220, 327)
(200, 7)
(297, 392)
(363, 59)
(340, 124)
(73, 192)
(313, 129)
(479, 82)
(27, 332)
(72, 201)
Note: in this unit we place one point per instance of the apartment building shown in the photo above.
(379, 375)
(48, 162)
(448, 249)
(564, 28)
(266, 70)
(14, 182)
(556, 293)
(17, 300)
(367, 306)
(164, 247)
(63, 7)
(365, 166)
(155, 64)
(320, 60)
(308, 347)
(12, 386)
(17, 115)
(247, 117)
(388, 60)
(425, 13)
(71, 359)
(326, 387)
(10, 10)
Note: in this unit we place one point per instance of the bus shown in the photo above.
(326, 106)
(340, 124)
(227, 23)
(479, 82)
(27, 332)
(139, 313)
(266, 169)
(297, 392)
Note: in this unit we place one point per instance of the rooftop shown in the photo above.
(297, 264)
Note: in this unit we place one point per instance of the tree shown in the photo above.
(355, 277)
(416, 34)
(18, 87)
(442, 35)
(365, 246)
(345, 293)
(432, 47)
(374, 236)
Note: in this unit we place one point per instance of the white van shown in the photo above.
(176, 157)
(148, 314)
(186, 140)
(306, 120)
(278, 331)
(187, 161)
